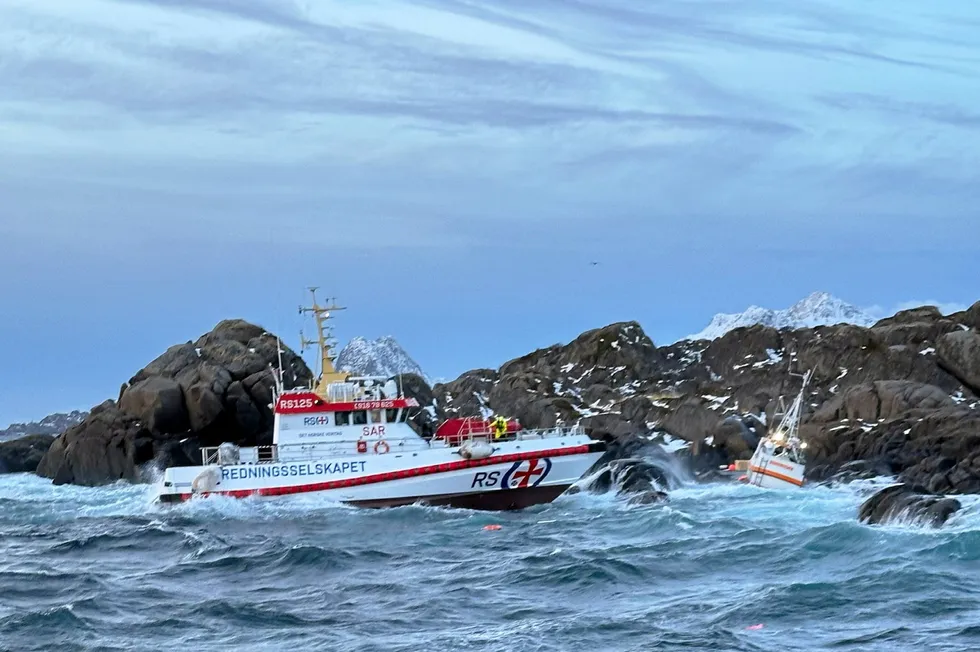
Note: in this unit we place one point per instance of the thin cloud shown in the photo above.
(947, 114)
(664, 110)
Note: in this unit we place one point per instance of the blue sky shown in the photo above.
(449, 169)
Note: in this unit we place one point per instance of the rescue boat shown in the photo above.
(353, 439)
(779, 460)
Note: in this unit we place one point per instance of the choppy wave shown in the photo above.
(720, 566)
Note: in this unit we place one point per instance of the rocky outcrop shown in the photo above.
(596, 379)
(882, 399)
(426, 419)
(692, 420)
(158, 402)
(969, 318)
(196, 394)
(939, 450)
(109, 445)
(637, 479)
(904, 503)
(24, 454)
(895, 398)
(972, 317)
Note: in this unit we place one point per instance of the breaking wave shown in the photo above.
(718, 566)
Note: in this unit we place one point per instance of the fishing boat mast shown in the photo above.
(789, 426)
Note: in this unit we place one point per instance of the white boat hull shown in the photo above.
(517, 474)
(774, 472)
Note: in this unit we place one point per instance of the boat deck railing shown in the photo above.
(453, 441)
(358, 447)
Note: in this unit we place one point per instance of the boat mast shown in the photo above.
(792, 417)
(328, 374)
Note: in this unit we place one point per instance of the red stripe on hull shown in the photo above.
(777, 476)
(592, 447)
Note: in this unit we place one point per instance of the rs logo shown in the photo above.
(526, 474)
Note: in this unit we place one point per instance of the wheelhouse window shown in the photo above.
(375, 416)
(391, 415)
(359, 417)
(342, 418)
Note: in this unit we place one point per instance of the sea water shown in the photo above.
(719, 567)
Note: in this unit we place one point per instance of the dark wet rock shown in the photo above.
(637, 475)
(235, 330)
(522, 396)
(937, 449)
(466, 395)
(859, 470)
(608, 426)
(249, 420)
(959, 353)
(158, 401)
(414, 386)
(919, 334)
(628, 446)
(691, 420)
(204, 386)
(183, 452)
(101, 449)
(425, 420)
(24, 454)
(849, 355)
(639, 480)
(738, 437)
(740, 348)
(883, 399)
(919, 315)
(216, 389)
(596, 354)
(597, 380)
(908, 503)
(971, 317)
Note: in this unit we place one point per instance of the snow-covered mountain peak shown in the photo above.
(818, 309)
(821, 308)
(381, 357)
